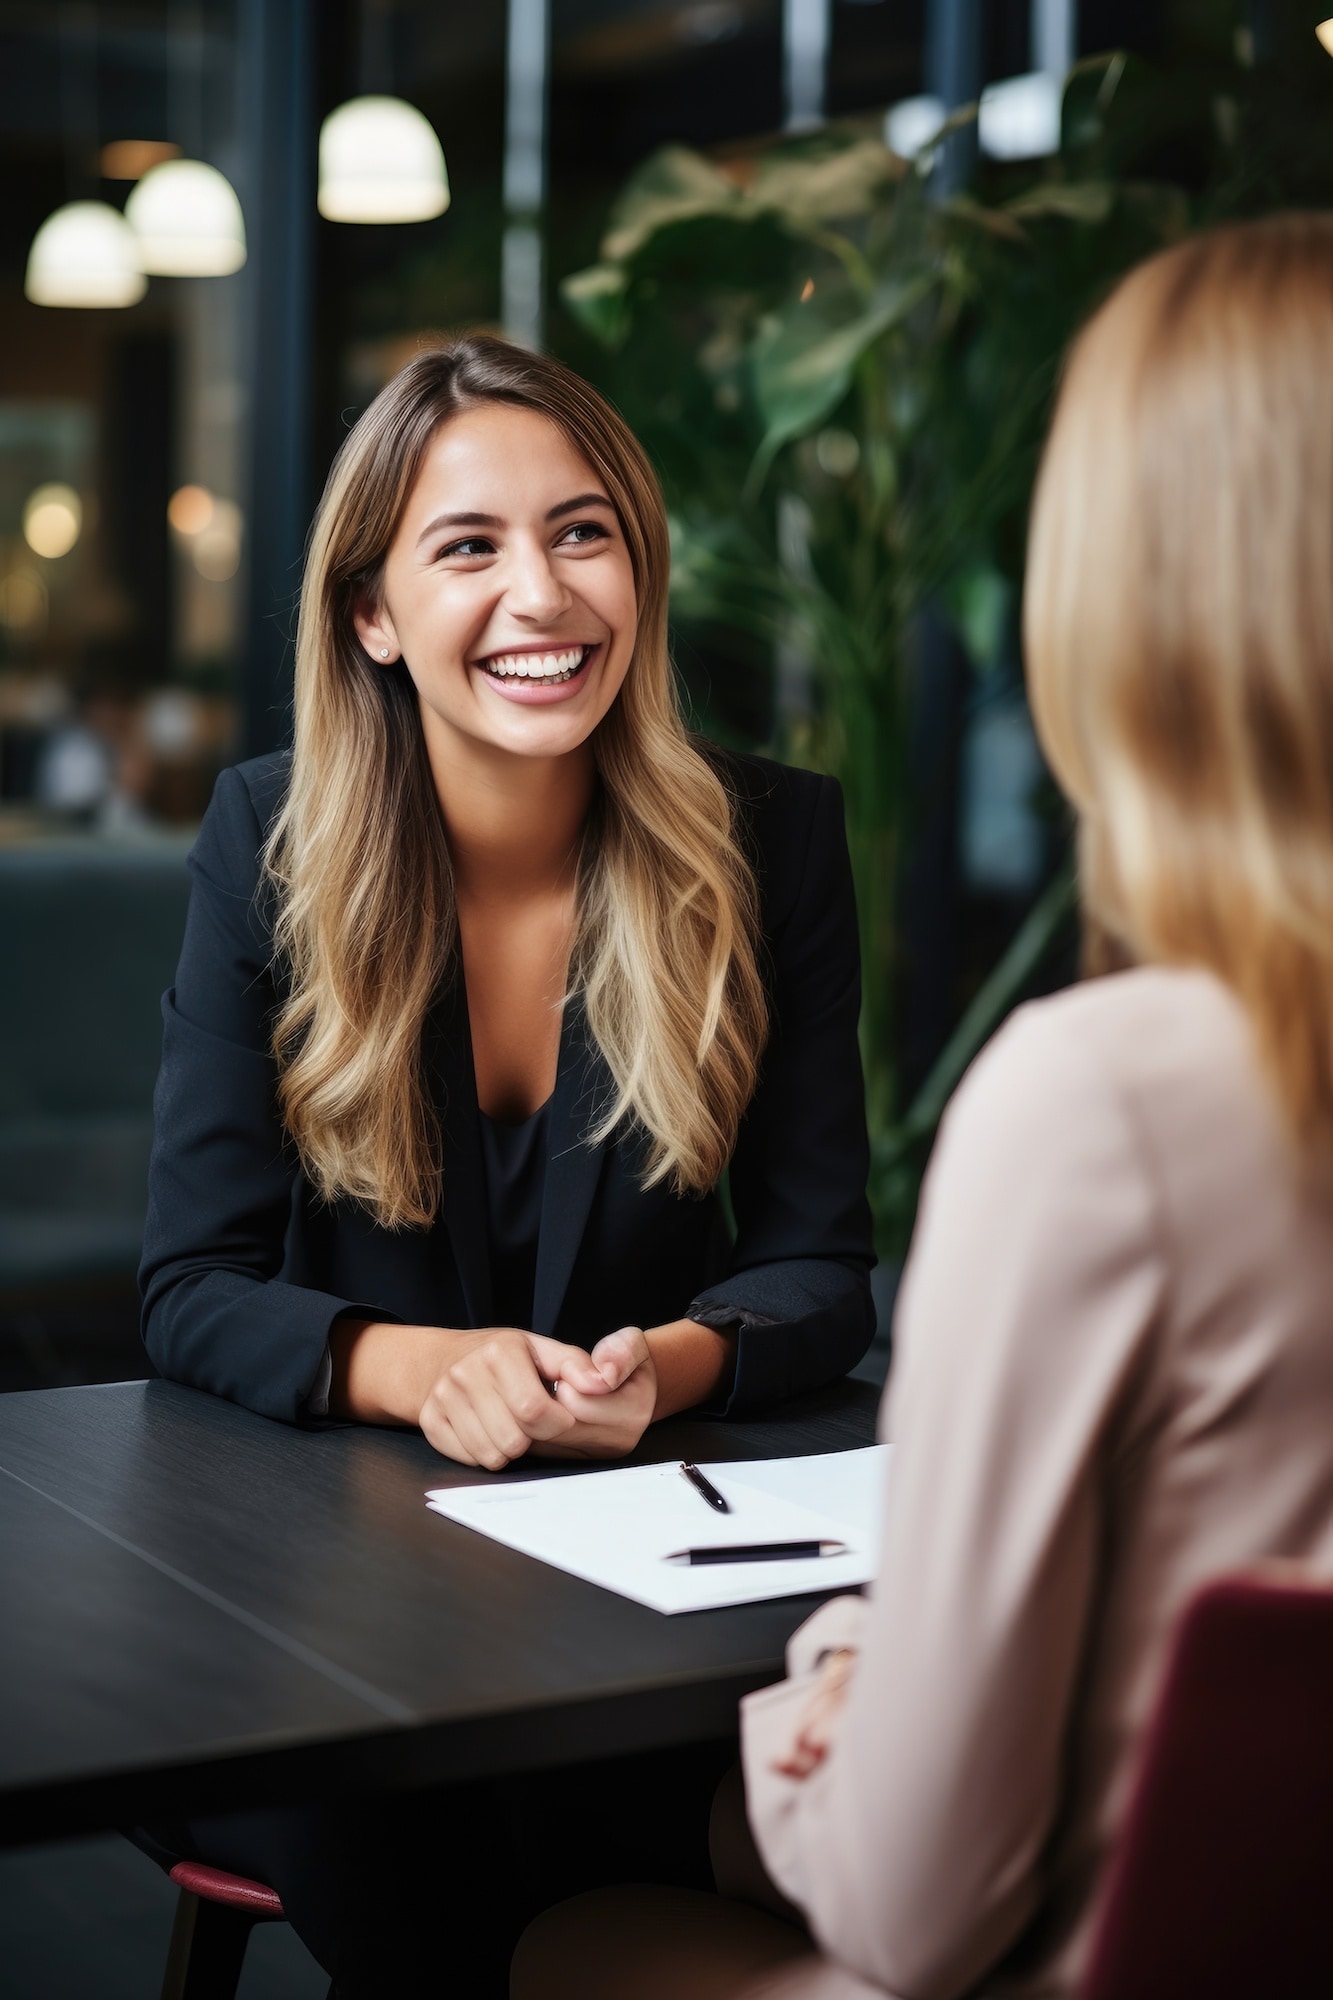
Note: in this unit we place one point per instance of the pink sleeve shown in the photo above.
(1030, 1291)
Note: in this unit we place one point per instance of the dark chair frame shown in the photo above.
(215, 1914)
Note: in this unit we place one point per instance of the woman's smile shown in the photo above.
(538, 675)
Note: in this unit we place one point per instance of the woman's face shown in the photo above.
(508, 593)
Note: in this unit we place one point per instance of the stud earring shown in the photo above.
(384, 652)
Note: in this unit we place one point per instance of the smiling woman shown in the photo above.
(488, 983)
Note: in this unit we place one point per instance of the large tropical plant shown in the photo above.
(844, 380)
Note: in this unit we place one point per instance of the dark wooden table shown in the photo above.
(202, 1609)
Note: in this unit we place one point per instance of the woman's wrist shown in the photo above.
(383, 1372)
(692, 1363)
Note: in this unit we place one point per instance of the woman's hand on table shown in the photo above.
(489, 1397)
(503, 1391)
(610, 1421)
(482, 1397)
(817, 1725)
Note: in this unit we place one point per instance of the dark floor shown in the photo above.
(90, 1920)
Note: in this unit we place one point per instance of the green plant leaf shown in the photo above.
(850, 181)
(674, 184)
(598, 300)
(1074, 201)
(803, 367)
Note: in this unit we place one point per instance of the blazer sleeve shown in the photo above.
(1031, 1293)
(798, 1287)
(216, 1312)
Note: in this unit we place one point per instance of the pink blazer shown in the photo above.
(1113, 1379)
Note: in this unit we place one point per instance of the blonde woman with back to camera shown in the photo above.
(1113, 1373)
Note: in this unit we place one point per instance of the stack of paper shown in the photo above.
(618, 1528)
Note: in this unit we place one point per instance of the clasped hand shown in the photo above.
(503, 1393)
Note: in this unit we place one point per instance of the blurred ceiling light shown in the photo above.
(188, 221)
(910, 126)
(216, 550)
(84, 254)
(1019, 119)
(190, 509)
(131, 159)
(380, 161)
(1325, 34)
(52, 520)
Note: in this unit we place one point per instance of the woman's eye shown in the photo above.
(473, 545)
(583, 532)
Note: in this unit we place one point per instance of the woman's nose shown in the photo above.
(533, 589)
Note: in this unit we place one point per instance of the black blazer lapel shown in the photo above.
(582, 1086)
(464, 1195)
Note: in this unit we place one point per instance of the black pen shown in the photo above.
(757, 1552)
(704, 1488)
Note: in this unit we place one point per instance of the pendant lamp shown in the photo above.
(1019, 119)
(380, 161)
(913, 124)
(188, 221)
(85, 254)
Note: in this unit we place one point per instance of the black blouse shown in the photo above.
(515, 1162)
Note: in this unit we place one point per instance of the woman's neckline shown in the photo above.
(516, 1124)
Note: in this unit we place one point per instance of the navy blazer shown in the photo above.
(245, 1269)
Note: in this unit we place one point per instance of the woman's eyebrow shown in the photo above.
(573, 506)
(458, 521)
(581, 501)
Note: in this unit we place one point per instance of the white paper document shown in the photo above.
(617, 1528)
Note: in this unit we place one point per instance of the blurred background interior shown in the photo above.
(825, 255)
(828, 291)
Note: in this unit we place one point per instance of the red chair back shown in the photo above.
(1222, 1883)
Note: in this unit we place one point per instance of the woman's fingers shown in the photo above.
(815, 1734)
(617, 1355)
(493, 1401)
(559, 1362)
(800, 1760)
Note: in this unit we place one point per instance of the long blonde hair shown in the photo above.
(1179, 628)
(666, 946)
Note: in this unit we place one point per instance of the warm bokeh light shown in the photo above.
(23, 603)
(84, 254)
(1325, 34)
(188, 221)
(52, 520)
(216, 551)
(190, 509)
(131, 159)
(380, 161)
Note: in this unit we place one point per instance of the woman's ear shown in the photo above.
(374, 628)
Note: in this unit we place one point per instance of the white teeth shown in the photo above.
(549, 667)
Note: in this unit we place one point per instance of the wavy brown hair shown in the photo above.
(1179, 628)
(665, 953)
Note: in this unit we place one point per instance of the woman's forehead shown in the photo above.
(499, 460)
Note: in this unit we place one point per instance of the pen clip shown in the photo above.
(704, 1487)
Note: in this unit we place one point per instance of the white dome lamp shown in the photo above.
(84, 254)
(188, 221)
(380, 161)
